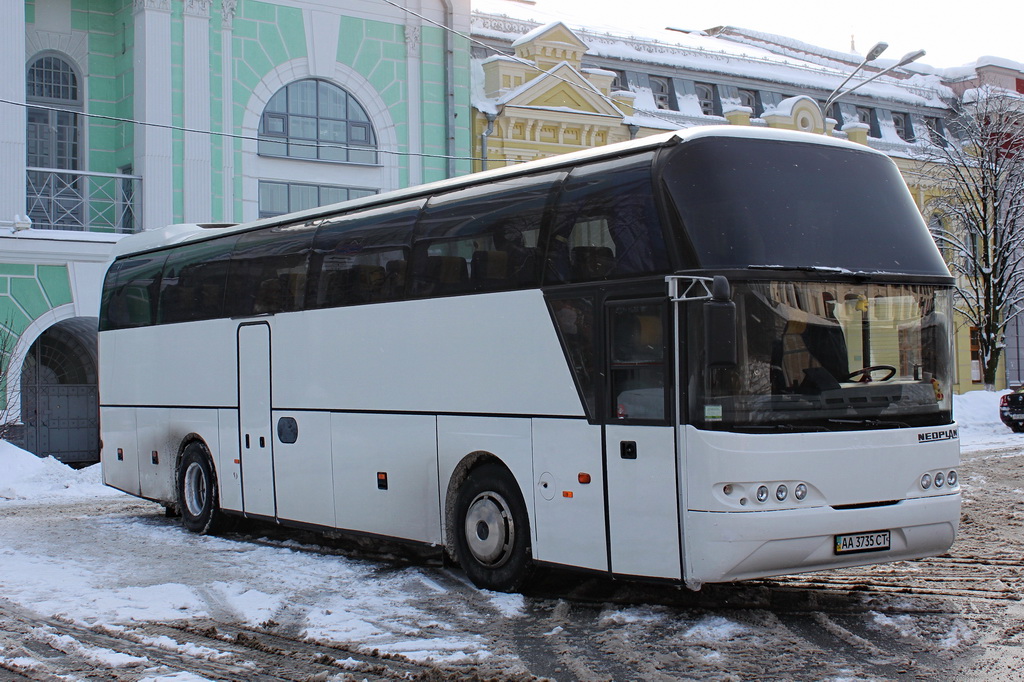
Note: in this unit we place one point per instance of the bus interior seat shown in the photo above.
(366, 283)
(806, 353)
(394, 279)
(591, 262)
(443, 275)
(269, 297)
(489, 270)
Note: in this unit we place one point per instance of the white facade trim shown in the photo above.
(13, 122)
(153, 145)
(32, 332)
(383, 177)
(197, 171)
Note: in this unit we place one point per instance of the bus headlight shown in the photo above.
(926, 481)
(940, 478)
(762, 493)
(951, 478)
(781, 492)
(800, 491)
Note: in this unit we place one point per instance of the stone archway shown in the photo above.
(59, 396)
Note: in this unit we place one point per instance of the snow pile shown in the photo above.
(977, 415)
(23, 476)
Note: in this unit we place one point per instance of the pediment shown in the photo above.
(562, 88)
(555, 34)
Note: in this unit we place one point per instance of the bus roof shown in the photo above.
(186, 232)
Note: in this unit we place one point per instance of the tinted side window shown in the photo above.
(107, 297)
(194, 277)
(362, 258)
(483, 238)
(575, 320)
(636, 357)
(132, 300)
(268, 270)
(606, 224)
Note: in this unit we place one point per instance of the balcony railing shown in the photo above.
(84, 202)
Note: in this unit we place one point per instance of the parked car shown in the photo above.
(1011, 409)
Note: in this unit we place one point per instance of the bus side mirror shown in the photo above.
(720, 325)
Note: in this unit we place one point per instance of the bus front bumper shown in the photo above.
(744, 545)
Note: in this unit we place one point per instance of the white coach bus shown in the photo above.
(705, 356)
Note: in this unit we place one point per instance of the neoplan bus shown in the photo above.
(704, 356)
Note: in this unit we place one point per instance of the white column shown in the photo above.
(414, 67)
(12, 122)
(153, 147)
(198, 176)
(228, 8)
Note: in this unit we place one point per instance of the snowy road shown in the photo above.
(96, 585)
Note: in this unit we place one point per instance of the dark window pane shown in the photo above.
(773, 203)
(132, 301)
(193, 283)
(574, 319)
(493, 229)
(363, 257)
(268, 270)
(637, 355)
(606, 225)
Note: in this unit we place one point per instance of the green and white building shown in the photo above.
(125, 115)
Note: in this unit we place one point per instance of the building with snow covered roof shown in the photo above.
(547, 88)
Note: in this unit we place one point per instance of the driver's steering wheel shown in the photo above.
(866, 372)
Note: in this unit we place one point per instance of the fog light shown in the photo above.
(762, 493)
(926, 481)
(940, 478)
(951, 478)
(727, 489)
(800, 491)
(781, 493)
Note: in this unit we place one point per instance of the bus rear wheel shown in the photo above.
(197, 491)
(492, 531)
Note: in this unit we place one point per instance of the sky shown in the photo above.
(941, 27)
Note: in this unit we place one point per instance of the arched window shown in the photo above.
(53, 142)
(313, 119)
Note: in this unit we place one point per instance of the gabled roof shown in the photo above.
(554, 33)
(563, 87)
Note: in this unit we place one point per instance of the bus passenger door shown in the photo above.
(256, 444)
(640, 451)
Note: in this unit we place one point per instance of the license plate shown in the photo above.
(875, 541)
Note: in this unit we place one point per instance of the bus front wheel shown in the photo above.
(492, 530)
(197, 491)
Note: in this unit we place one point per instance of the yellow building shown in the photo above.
(555, 94)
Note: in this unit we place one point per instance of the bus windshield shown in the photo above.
(828, 356)
(772, 203)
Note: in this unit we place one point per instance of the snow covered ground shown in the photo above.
(73, 548)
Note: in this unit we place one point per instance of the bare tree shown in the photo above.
(10, 379)
(977, 219)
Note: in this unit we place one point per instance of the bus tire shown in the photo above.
(492, 531)
(197, 491)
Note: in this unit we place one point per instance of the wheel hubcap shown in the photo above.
(195, 489)
(490, 531)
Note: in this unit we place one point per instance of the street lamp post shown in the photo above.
(872, 55)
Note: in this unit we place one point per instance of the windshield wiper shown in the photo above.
(877, 423)
(804, 268)
(784, 428)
